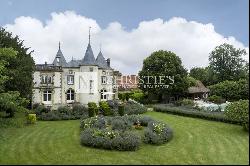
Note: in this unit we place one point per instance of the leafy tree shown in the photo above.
(5, 55)
(199, 73)
(19, 69)
(191, 81)
(226, 63)
(163, 63)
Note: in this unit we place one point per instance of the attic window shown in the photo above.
(91, 69)
(57, 60)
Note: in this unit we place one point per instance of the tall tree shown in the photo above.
(20, 69)
(226, 62)
(199, 73)
(164, 63)
(5, 55)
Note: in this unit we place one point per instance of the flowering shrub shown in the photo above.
(157, 133)
(158, 127)
(96, 122)
(113, 132)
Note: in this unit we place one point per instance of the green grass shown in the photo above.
(195, 141)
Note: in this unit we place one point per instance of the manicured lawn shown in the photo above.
(195, 141)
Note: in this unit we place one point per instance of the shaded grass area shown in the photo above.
(195, 141)
(18, 121)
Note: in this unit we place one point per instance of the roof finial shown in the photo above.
(89, 34)
(59, 45)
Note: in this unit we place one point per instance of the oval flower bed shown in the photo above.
(122, 132)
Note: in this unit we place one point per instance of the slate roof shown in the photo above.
(89, 58)
(100, 61)
(74, 63)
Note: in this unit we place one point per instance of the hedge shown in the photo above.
(214, 116)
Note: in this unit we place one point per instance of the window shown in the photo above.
(49, 80)
(103, 95)
(47, 95)
(70, 79)
(104, 79)
(70, 94)
(91, 69)
(57, 60)
(91, 82)
(46, 79)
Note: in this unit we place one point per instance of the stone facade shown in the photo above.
(59, 83)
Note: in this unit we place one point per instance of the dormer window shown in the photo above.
(104, 79)
(91, 69)
(70, 79)
(57, 60)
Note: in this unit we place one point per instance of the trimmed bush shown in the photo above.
(93, 109)
(121, 109)
(104, 108)
(31, 118)
(239, 111)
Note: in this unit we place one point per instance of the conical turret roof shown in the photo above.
(100, 61)
(59, 59)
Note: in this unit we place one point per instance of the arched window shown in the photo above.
(103, 95)
(47, 95)
(70, 94)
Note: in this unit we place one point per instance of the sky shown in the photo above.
(128, 30)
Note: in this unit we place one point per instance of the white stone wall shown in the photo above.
(60, 87)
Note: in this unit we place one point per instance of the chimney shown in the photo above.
(108, 62)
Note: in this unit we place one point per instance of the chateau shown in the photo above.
(78, 81)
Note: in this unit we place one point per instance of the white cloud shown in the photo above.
(190, 40)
